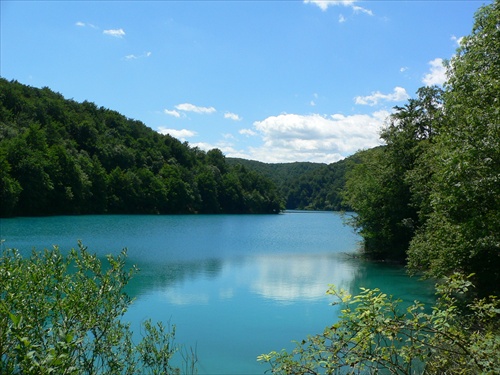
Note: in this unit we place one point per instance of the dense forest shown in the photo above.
(58, 156)
(305, 185)
(431, 196)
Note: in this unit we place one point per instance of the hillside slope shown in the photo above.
(58, 156)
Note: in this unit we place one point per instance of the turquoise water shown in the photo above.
(235, 286)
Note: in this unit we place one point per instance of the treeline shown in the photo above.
(305, 185)
(59, 156)
(432, 195)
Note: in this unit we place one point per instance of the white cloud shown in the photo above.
(187, 107)
(398, 95)
(83, 24)
(179, 134)
(247, 132)
(312, 103)
(341, 18)
(204, 146)
(358, 9)
(457, 40)
(135, 57)
(172, 113)
(117, 33)
(232, 116)
(292, 137)
(437, 75)
(403, 69)
(325, 4)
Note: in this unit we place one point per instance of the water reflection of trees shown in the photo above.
(161, 275)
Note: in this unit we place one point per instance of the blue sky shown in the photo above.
(274, 81)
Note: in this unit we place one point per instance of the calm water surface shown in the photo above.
(235, 286)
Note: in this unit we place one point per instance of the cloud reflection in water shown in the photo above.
(282, 278)
(292, 278)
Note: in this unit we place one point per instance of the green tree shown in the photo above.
(86, 135)
(123, 191)
(10, 189)
(94, 175)
(62, 314)
(463, 229)
(216, 158)
(26, 155)
(207, 181)
(180, 196)
(231, 196)
(373, 189)
(260, 194)
(152, 192)
(389, 189)
(70, 185)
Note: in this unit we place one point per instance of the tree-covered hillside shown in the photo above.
(432, 195)
(58, 156)
(304, 185)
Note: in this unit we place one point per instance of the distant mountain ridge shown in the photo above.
(306, 185)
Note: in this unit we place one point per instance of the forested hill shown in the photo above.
(305, 185)
(58, 156)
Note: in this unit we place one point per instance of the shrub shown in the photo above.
(62, 314)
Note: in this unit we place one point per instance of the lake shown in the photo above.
(235, 286)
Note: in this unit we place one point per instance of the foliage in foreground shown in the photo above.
(62, 314)
(375, 334)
